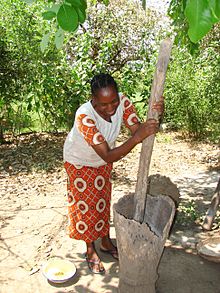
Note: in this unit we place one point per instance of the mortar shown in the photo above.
(140, 245)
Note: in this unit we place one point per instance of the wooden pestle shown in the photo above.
(147, 144)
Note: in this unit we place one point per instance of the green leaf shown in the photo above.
(184, 4)
(200, 19)
(215, 7)
(67, 18)
(44, 42)
(59, 38)
(81, 15)
(78, 3)
(84, 3)
(29, 107)
(80, 7)
(48, 15)
(37, 104)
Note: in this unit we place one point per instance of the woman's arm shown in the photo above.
(140, 132)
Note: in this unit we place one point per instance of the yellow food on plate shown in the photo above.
(58, 270)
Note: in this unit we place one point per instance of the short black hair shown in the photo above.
(102, 80)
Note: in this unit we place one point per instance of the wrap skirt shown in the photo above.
(89, 198)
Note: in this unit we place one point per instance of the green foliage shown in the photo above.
(67, 18)
(48, 15)
(215, 8)
(39, 82)
(192, 93)
(65, 15)
(193, 20)
(193, 85)
(188, 213)
(55, 83)
(126, 54)
(201, 15)
(164, 138)
(144, 4)
(59, 38)
(136, 83)
(50, 86)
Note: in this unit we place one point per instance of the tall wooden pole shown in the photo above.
(147, 145)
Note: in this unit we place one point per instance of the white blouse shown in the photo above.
(90, 128)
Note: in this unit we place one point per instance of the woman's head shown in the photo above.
(102, 80)
(105, 98)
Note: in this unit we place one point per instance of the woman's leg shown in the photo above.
(108, 246)
(93, 259)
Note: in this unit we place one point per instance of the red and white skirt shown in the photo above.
(89, 198)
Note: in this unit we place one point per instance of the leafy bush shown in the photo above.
(192, 93)
(55, 83)
(121, 39)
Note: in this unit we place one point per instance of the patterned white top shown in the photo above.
(90, 129)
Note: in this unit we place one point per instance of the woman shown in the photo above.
(89, 152)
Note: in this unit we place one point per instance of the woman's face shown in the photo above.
(106, 101)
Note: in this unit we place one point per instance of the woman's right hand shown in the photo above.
(151, 126)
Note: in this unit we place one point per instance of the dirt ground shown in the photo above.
(33, 215)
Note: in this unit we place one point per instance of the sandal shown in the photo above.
(92, 262)
(112, 252)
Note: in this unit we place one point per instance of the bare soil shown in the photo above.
(33, 215)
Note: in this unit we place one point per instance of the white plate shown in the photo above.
(58, 270)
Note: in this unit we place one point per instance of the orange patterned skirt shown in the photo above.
(89, 197)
